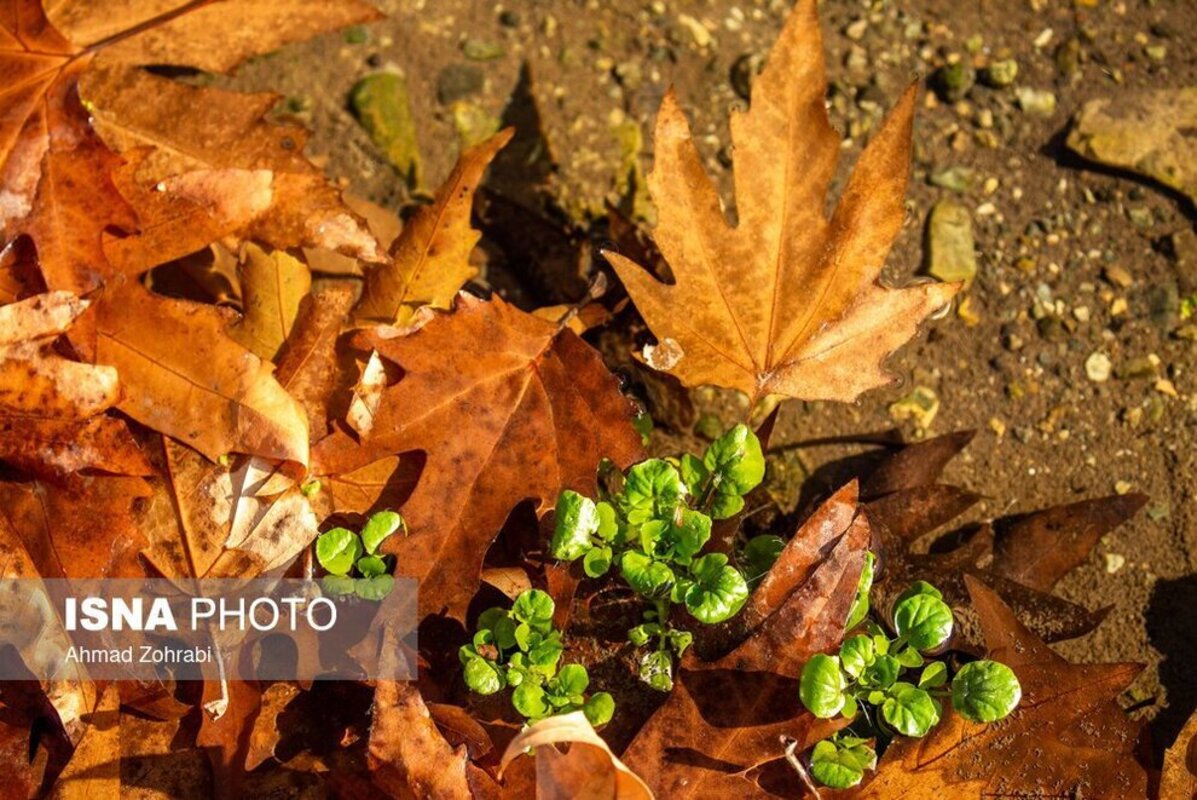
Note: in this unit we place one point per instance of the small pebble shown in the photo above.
(1098, 367)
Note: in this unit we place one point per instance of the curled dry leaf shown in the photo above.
(1067, 738)
(1179, 777)
(409, 757)
(588, 770)
(786, 302)
(506, 407)
(52, 409)
(430, 260)
(308, 366)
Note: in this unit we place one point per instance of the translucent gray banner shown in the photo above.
(157, 629)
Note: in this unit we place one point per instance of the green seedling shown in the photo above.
(653, 529)
(519, 648)
(864, 683)
(352, 560)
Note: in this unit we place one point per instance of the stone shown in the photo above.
(951, 255)
(1098, 367)
(1151, 133)
(999, 74)
(920, 407)
(1036, 102)
(481, 50)
(382, 106)
(953, 81)
(957, 179)
(457, 82)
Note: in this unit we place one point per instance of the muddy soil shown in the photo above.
(1073, 259)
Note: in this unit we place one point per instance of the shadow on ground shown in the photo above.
(1172, 629)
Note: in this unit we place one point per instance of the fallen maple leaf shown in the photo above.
(588, 770)
(52, 409)
(1021, 558)
(786, 301)
(1179, 776)
(430, 260)
(184, 377)
(53, 168)
(200, 135)
(507, 407)
(1067, 738)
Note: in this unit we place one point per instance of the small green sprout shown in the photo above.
(864, 680)
(519, 648)
(352, 561)
(653, 530)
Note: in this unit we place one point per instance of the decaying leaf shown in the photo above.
(1067, 738)
(430, 260)
(588, 770)
(52, 409)
(507, 408)
(1020, 557)
(94, 771)
(785, 302)
(1179, 777)
(408, 755)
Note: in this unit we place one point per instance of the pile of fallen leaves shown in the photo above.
(208, 355)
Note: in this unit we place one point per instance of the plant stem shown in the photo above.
(662, 606)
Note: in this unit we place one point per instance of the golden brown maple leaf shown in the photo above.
(51, 408)
(506, 407)
(1067, 738)
(273, 284)
(785, 302)
(430, 260)
(53, 168)
(184, 377)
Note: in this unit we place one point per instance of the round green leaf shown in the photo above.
(920, 587)
(934, 676)
(653, 489)
(529, 699)
(504, 630)
(679, 641)
(985, 691)
(694, 473)
(648, 577)
(369, 566)
(535, 608)
(718, 591)
(577, 520)
(374, 588)
(599, 708)
(640, 634)
(596, 562)
(760, 554)
(856, 654)
(910, 710)
(910, 658)
(337, 550)
(379, 527)
(543, 655)
(610, 529)
(923, 620)
(656, 669)
(737, 459)
(483, 677)
(572, 679)
(860, 604)
(836, 767)
(822, 685)
(337, 585)
(882, 672)
(693, 532)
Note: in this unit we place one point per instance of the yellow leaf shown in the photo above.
(431, 258)
(272, 286)
(786, 301)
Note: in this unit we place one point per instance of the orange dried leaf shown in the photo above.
(430, 260)
(787, 301)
